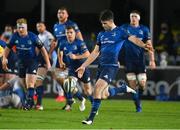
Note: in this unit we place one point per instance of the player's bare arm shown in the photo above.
(4, 59)
(46, 57)
(84, 55)
(90, 59)
(152, 63)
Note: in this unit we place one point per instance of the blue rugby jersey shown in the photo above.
(59, 29)
(132, 51)
(110, 43)
(25, 46)
(77, 47)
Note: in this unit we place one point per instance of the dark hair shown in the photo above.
(70, 27)
(63, 8)
(106, 15)
(41, 22)
(136, 11)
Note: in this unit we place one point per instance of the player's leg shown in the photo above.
(58, 76)
(39, 86)
(99, 87)
(111, 90)
(131, 77)
(141, 77)
(88, 90)
(105, 75)
(30, 80)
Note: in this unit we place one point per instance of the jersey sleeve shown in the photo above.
(124, 33)
(76, 27)
(83, 47)
(38, 42)
(11, 42)
(61, 46)
(147, 34)
(50, 36)
(98, 40)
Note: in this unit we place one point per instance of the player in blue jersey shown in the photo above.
(109, 43)
(76, 52)
(135, 59)
(59, 33)
(2, 72)
(12, 57)
(28, 46)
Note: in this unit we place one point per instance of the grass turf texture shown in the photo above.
(113, 114)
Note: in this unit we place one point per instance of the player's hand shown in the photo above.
(4, 64)
(72, 56)
(48, 66)
(149, 47)
(80, 71)
(152, 64)
(62, 66)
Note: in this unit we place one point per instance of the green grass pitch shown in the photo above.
(113, 114)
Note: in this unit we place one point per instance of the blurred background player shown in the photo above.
(135, 59)
(11, 96)
(12, 57)
(2, 72)
(109, 43)
(59, 33)
(27, 46)
(47, 39)
(76, 52)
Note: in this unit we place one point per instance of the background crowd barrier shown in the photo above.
(162, 84)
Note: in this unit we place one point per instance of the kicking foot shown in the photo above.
(87, 122)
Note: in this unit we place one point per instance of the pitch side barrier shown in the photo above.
(162, 84)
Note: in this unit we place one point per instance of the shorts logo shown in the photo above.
(106, 76)
(34, 71)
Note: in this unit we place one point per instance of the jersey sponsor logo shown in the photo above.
(22, 46)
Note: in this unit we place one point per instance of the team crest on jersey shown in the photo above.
(74, 47)
(141, 32)
(55, 29)
(29, 42)
(16, 42)
(114, 34)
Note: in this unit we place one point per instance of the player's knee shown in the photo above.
(131, 76)
(142, 80)
(87, 89)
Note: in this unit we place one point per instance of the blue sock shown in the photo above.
(30, 94)
(79, 95)
(95, 106)
(140, 92)
(69, 98)
(136, 99)
(91, 99)
(40, 92)
(115, 90)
